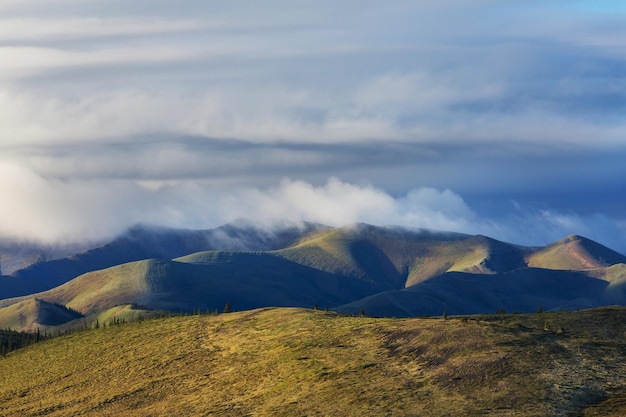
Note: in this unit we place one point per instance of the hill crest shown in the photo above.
(383, 270)
(574, 252)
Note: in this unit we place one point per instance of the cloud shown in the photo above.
(316, 72)
(112, 110)
(46, 29)
(75, 211)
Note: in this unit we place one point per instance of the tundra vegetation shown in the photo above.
(286, 361)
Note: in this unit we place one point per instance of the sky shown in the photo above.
(479, 116)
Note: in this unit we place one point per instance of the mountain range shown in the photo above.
(358, 269)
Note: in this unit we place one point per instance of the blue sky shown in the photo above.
(500, 118)
(605, 6)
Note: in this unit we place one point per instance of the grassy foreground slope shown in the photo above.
(285, 362)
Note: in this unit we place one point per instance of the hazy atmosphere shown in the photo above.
(501, 118)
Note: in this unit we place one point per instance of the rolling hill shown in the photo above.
(285, 362)
(145, 242)
(247, 280)
(33, 314)
(382, 271)
(403, 257)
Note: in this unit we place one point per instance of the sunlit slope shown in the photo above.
(285, 362)
(574, 253)
(33, 314)
(384, 271)
(403, 257)
(390, 257)
(246, 280)
(146, 242)
(615, 276)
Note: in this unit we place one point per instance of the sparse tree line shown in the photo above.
(11, 340)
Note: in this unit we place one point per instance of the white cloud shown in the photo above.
(51, 210)
(35, 119)
(482, 95)
(47, 210)
(34, 59)
(49, 29)
(314, 72)
(267, 114)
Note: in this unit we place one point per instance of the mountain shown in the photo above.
(247, 280)
(572, 273)
(522, 290)
(403, 257)
(294, 362)
(382, 271)
(33, 314)
(16, 254)
(145, 242)
(574, 253)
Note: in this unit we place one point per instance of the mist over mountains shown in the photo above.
(379, 271)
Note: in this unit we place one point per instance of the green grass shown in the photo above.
(285, 362)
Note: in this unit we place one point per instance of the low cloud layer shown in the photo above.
(59, 211)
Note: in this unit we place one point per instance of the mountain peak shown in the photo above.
(575, 252)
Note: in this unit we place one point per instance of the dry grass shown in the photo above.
(285, 362)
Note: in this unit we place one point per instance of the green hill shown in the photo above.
(285, 362)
